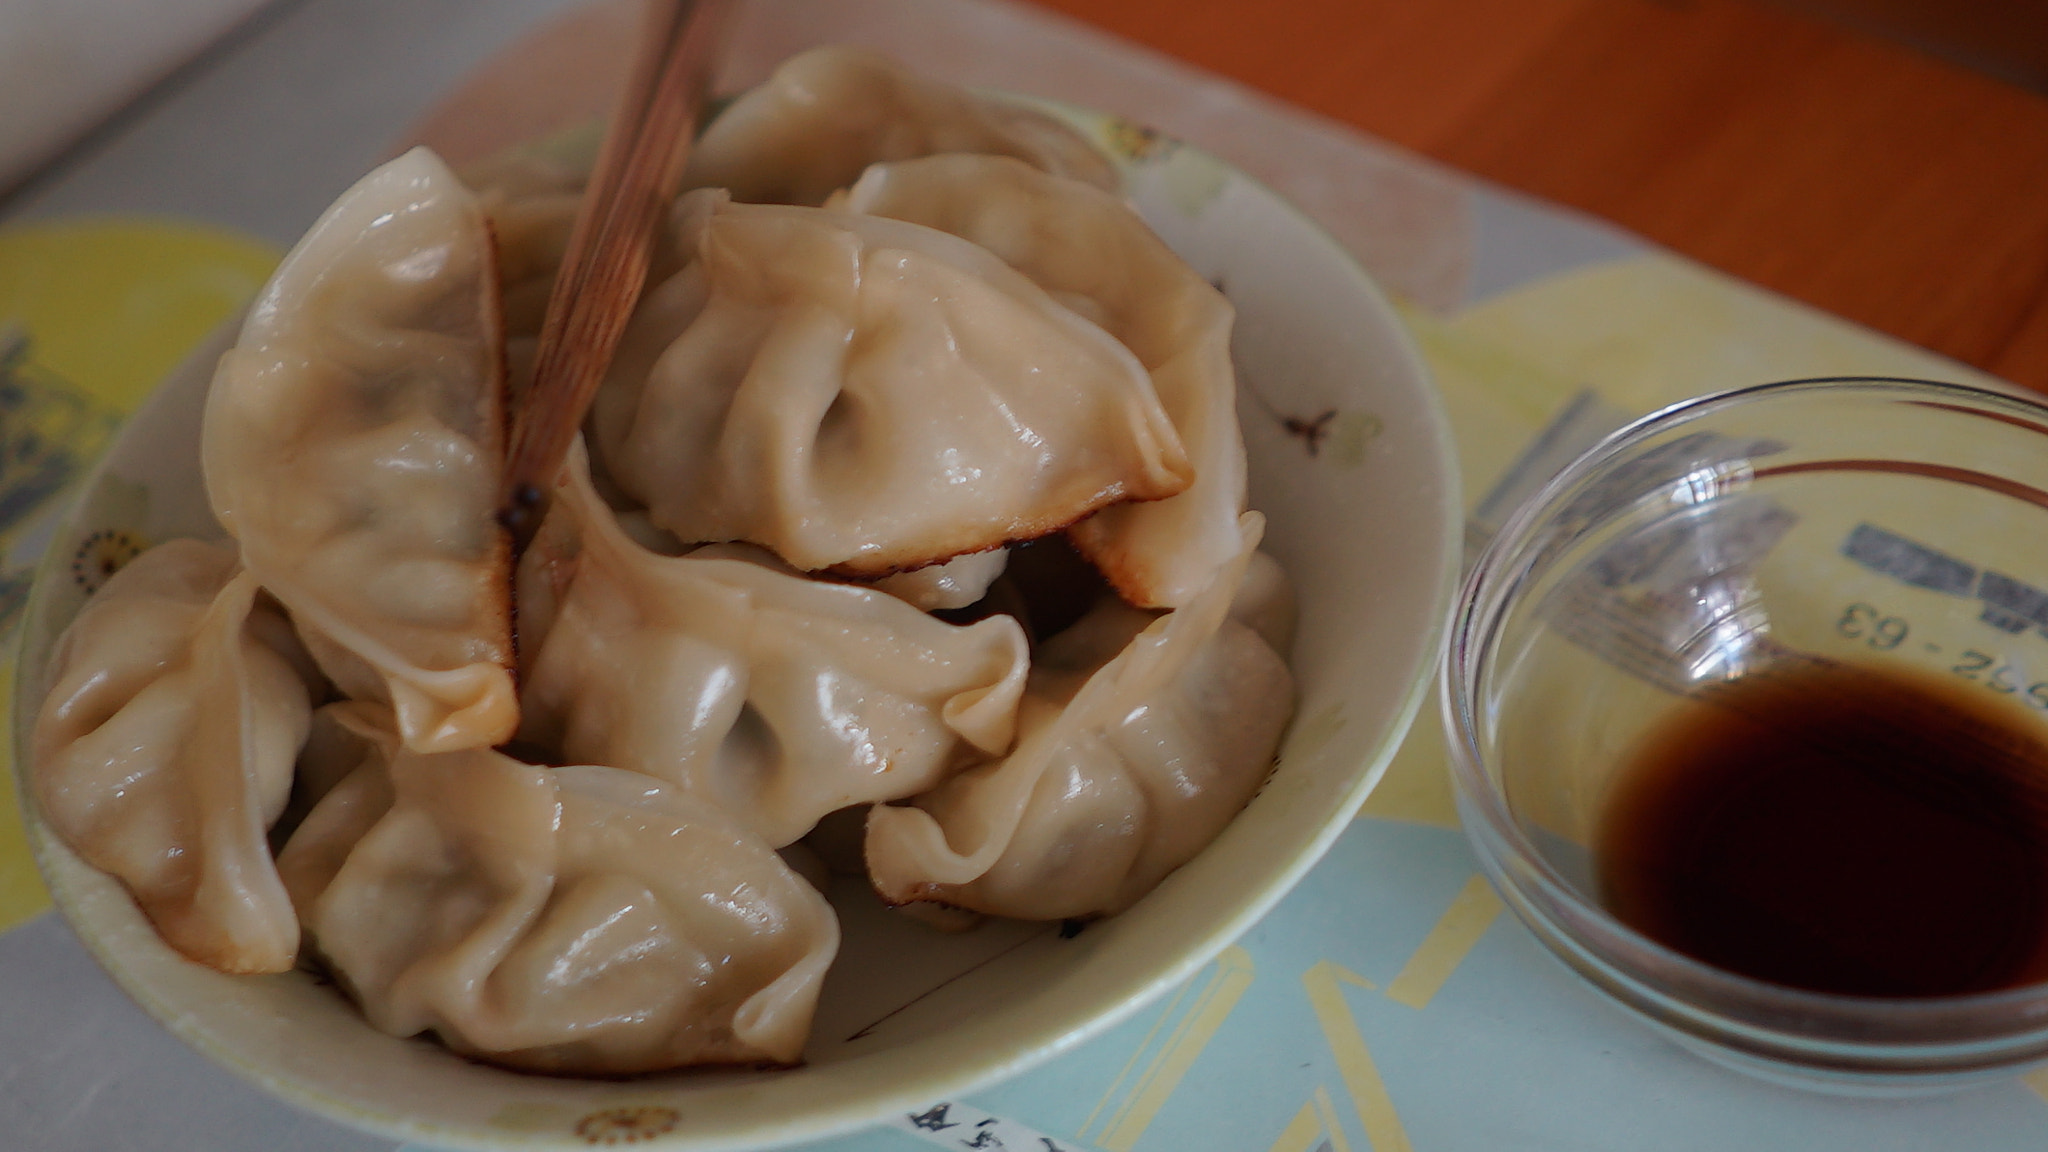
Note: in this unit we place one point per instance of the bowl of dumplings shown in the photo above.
(1004, 551)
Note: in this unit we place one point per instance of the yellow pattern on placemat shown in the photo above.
(1472, 911)
(110, 307)
(1316, 1118)
(1144, 1045)
(1325, 983)
(22, 894)
(114, 304)
(1234, 972)
(1417, 786)
(1643, 332)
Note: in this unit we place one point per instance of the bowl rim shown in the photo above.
(53, 858)
(1466, 661)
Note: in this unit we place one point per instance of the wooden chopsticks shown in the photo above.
(610, 245)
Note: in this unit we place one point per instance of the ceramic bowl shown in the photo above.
(1351, 460)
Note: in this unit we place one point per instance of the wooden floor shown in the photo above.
(1862, 176)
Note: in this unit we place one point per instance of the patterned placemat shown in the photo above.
(1385, 1004)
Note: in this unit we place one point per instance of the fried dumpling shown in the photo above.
(827, 114)
(530, 196)
(532, 235)
(179, 697)
(354, 442)
(1091, 251)
(954, 584)
(776, 697)
(1140, 736)
(869, 396)
(342, 775)
(577, 920)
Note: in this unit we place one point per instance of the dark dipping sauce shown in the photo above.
(1839, 828)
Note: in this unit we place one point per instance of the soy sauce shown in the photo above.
(1839, 829)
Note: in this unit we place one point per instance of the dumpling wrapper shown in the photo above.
(1140, 737)
(828, 113)
(179, 697)
(869, 396)
(530, 197)
(1091, 251)
(956, 583)
(531, 193)
(354, 443)
(580, 920)
(776, 697)
(532, 235)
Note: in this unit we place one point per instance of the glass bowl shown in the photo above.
(1897, 526)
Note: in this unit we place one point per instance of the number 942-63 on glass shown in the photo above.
(1885, 632)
